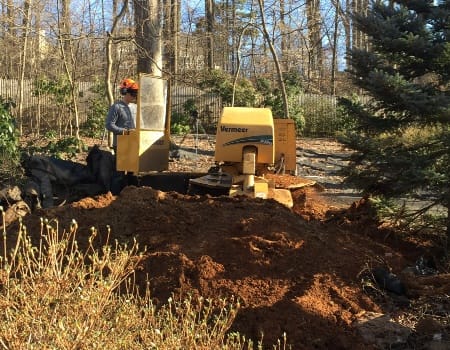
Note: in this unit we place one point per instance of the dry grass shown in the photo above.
(53, 296)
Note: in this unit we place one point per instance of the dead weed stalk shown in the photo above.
(55, 296)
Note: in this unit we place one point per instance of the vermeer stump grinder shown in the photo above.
(253, 152)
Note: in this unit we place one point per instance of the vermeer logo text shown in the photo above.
(226, 129)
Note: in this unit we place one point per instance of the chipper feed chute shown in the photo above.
(146, 148)
(250, 145)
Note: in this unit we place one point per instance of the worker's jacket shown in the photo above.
(119, 119)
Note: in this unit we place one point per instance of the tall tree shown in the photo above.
(404, 132)
(148, 24)
(172, 14)
(347, 28)
(66, 46)
(359, 8)
(111, 38)
(25, 38)
(314, 37)
(276, 61)
(284, 38)
(335, 48)
(209, 7)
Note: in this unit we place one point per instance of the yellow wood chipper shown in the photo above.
(250, 146)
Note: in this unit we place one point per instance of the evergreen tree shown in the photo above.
(403, 133)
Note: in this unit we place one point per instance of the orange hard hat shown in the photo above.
(128, 85)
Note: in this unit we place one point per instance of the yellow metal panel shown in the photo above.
(261, 190)
(143, 151)
(285, 143)
(247, 116)
(153, 151)
(245, 126)
(127, 151)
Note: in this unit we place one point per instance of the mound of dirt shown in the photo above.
(293, 271)
(303, 271)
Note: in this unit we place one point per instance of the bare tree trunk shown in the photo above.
(171, 32)
(11, 14)
(227, 50)
(26, 29)
(284, 39)
(35, 120)
(314, 37)
(275, 59)
(365, 39)
(334, 59)
(109, 49)
(238, 63)
(65, 32)
(354, 29)
(66, 49)
(148, 36)
(359, 40)
(356, 36)
(347, 28)
(209, 6)
(176, 15)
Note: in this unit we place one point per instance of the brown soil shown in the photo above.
(297, 271)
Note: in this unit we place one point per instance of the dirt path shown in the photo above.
(323, 160)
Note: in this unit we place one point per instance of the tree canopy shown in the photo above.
(403, 132)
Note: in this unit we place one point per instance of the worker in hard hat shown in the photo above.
(121, 115)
